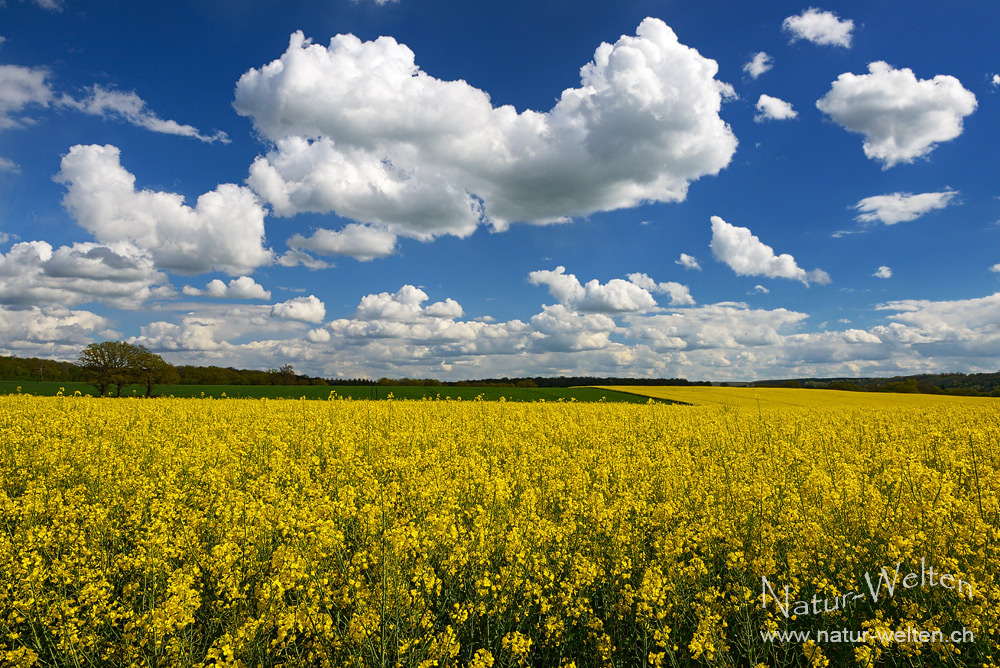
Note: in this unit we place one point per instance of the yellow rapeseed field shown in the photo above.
(774, 397)
(197, 532)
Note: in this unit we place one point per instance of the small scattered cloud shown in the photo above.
(759, 64)
(688, 262)
(773, 109)
(901, 207)
(901, 117)
(680, 295)
(21, 87)
(747, 255)
(996, 80)
(9, 166)
(243, 287)
(128, 106)
(306, 309)
(51, 5)
(760, 289)
(296, 258)
(883, 272)
(995, 268)
(819, 27)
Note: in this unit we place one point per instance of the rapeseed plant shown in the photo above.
(197, 532)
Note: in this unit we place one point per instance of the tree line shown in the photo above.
(115, 364)
(959, 384)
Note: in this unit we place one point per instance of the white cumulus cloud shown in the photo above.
(943, 329)
(724, 325)
(362, 242)
(819, 27)
(759, 64)
(118, 274)
(901, 117)
(38, 330)
(405, 305)
(561, 328)
(883, 272)
(360, 130)
(223, 231)
(243, 287)
(901, 207)
(306, 309)
(615, 296)
(747, 255)
(680, 295)
(318, 335)
(773, 109)
(688, 262)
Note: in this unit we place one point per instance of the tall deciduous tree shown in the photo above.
(150, 369)
(106, 363)
(119, 363)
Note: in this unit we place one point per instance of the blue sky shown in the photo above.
(708, 190)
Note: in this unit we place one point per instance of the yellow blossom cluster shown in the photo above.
(199, 532)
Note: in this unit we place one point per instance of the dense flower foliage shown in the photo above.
(187, 532)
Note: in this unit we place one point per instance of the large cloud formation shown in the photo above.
(901, 117)
(405, 334)
(223, 231)
(360, 130)
(119, 274)
(52, 331)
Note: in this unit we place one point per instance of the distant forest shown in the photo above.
(962, 384)
(35, 369)
(975, 384)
